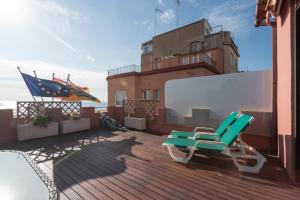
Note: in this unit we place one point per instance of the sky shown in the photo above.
(85, 38)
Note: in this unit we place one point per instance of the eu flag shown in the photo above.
(45, 88)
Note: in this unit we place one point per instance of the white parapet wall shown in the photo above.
(70, 126)
(135, 122)
(219, 94)
(29, 131)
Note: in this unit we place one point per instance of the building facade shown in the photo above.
(192, 50)
(283, 16)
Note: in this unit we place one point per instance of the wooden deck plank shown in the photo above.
(101, 187)
(68, 191)
(147, 173)
(89, 187)
(161, 168)
(69, 180)
(137, 182)
(131, 165)
(126, 184)
(114, 187)
(237, 182)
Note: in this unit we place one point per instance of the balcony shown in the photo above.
(183, 59)
(124, 70)
(167, 62)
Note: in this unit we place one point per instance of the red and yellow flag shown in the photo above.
(77, 93)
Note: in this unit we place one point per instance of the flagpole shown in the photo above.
(53, 74)
(66, 83)
(68, 79)
(36, 78)
(26, 84)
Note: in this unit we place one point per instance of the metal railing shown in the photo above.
(125, 69)
(185, 59)
(214, 29)
(167, 62)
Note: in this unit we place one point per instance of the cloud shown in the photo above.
(90, 58)
(57, 38)
(65, 14)
(232, 15)
(57, 9)
(160, 2)
(167, 15)
(12, 86)
(146, 24)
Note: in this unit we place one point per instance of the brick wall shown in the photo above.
(8, 132)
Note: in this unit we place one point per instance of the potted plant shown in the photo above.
(37, 127)
(74, 123)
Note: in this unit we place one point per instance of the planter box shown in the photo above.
(136, 123)
(29, 131)
(70, 126)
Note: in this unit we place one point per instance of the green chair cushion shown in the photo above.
(183, 142)
(231, 134)
(182, 134)
(227, 122)
(180, 142)
(211, 146)
(207, 136)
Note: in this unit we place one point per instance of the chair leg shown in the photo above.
(260, 159)
(180, 159)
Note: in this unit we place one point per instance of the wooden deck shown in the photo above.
(111, 165)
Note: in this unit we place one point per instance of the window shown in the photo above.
(147, 48)
(146, 94)
(185, 60)
(193, 59)
(120, 97)
(196, 46)
(156, 94)
(199, 57)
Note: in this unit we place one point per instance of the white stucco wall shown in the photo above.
(221, 94)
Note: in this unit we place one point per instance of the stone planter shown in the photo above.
(70, 126)
(136, 123)
(29, 131)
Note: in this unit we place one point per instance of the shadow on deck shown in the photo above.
(132, 165)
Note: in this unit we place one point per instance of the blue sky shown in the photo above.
(87, 37)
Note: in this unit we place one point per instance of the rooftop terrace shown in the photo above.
(102, 164)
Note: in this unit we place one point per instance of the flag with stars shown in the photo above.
(45, 88)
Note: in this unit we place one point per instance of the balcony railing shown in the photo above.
(125, 69)
(167, 62)
(186, 59)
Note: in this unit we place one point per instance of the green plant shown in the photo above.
(73, 116)
(41, 121)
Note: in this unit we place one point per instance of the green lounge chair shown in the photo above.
(198, 132)
(222, 146)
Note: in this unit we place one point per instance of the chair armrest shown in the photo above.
(203, 128)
